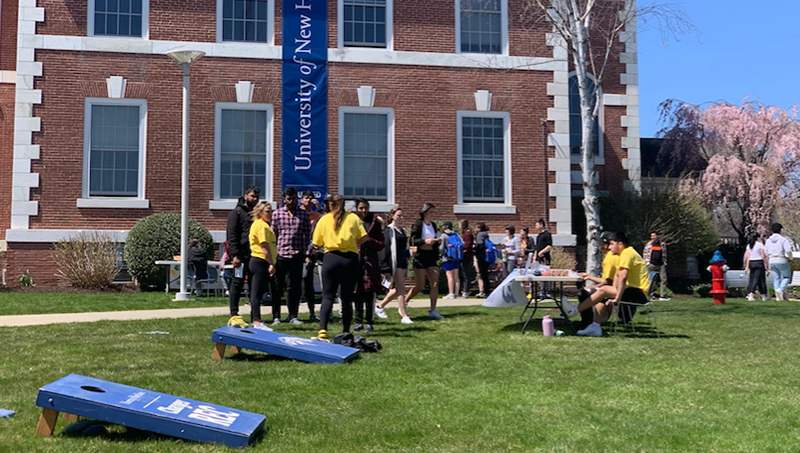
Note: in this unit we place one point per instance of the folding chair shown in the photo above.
(211, 278)
(625, 310)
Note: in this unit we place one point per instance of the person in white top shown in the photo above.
(511, 250)
(778, 251)
(755, 262)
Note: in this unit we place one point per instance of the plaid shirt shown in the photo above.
(648, 250)
(293, 231)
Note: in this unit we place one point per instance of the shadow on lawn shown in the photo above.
(118, 433)
(750, 309)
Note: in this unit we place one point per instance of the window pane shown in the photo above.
(114, 150)
(243, 151)
(575, 121)
(125, 18)
(364, 23)
(245, 20)
(366, 152)
(483, 159)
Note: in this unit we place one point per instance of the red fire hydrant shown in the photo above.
(718, 268)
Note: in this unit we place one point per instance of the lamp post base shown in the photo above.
(182, 296)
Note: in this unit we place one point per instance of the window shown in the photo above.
(481, 26)
(364, 23)
(483, 152)
(114, 148)
(117, 17)
(243, 144)
(575, 121)
(365, 152)
(245, 20)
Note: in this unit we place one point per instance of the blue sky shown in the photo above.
(740, 50)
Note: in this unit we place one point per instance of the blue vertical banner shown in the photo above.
(305, 96)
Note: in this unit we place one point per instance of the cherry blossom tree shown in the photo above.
(745, 158)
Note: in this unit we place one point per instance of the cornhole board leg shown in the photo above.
(219, 351)
(69, 417)
(47, 422)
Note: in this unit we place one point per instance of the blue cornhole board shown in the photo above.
(150, 411)
(281, 344)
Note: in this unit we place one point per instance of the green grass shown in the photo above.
(720, 378)
(21, 303)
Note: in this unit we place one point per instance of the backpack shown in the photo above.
(490, 254)
(455, 247)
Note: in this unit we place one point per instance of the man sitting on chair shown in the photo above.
(606, 280)
(630, 284)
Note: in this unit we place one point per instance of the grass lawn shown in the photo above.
(21, 303)
(720, 378)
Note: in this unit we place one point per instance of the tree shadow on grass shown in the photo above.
(118, 433)
(751, 309)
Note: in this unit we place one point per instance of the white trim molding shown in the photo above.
(8, 76)
(630, 121)
(111, 202)
(389, 112)
(25, 124)
(561, 215)
(491, 207)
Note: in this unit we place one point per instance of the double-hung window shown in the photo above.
(575, 121)
(124, 18)
(484, 158)
(114, 140)
(365, 23)
(243, 144)
(365, 153)
(245, 20)
(481, 26)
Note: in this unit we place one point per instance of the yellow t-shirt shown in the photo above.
(344, 239)
(637, 269)
(610, 266)
(260, 232)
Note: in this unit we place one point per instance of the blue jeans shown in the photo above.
(781, 272)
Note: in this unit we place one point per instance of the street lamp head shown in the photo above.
(185, 56)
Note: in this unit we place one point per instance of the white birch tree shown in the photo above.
(591, 30)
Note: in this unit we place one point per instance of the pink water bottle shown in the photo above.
(547, 326)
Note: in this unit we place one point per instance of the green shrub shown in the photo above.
(88, 260)
(157, 237)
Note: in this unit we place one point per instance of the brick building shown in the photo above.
(440, 101)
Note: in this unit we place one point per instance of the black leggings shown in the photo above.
(237, 285)
(483, 270)
(758, 278)
(338, 269)
(365, 298)
(258, 286)
(465, 268)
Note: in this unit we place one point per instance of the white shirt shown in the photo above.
(778, 249)
(427, 231)
(755, 252)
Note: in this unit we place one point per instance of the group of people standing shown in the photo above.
(516, 248)
(764, 256)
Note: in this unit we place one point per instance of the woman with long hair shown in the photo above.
(468, 262)
(423, 237)
(755, 261)
(263, 248)
(395, 264)
(370, 282)
(341, 233)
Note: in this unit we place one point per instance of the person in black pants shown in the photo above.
(237, 233)
(480, 253)
(262, 247)
(292, 227)
(370, 282)
(341, 233)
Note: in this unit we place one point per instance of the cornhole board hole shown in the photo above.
(281, 344)
(145, 410)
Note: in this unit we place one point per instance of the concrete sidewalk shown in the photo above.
(132, 315)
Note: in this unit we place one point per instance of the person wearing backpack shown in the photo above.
(486, 252)
(452, 248)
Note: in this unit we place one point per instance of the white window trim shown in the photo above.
(389, 27)
(600, 158)
(503, 29)
(485, 208)
(375, 205)
(266, 186)
(270, 25)
(138, 202)
(145, 22)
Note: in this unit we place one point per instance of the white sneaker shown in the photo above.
(276, 321)
(262, 326)
(481, 295)
(750, 298)
(764, 298)
(593, 330)
(464, 295)
(381, 312)
(449, 296)
(295, 321)
(406, 320)
(667, 298)
(569, 308)
(778, 295)
(435, 315)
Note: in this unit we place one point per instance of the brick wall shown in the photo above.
(8, 35)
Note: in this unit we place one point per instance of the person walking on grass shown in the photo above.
(468, 263)
(756, 264)
(370, 282)
(340, 233)
(423, 237)
(238, 238)
(292, 228)
(262, 259)
(395, 263)
(452, 249)
(655, 255)
(481, 242)
(778, 252)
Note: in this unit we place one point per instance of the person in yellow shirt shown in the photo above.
(595, 308)
(263, 249)
(630, 281)
(340, 233)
